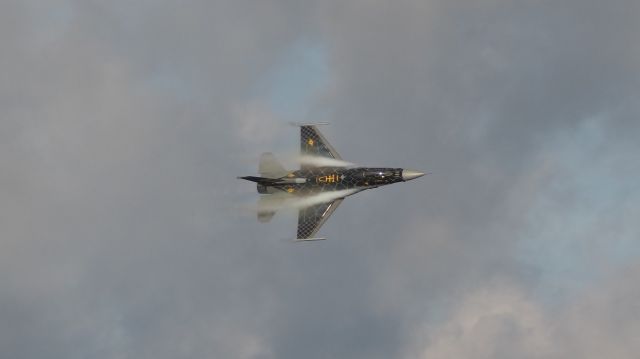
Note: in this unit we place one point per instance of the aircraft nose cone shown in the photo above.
(410, 174)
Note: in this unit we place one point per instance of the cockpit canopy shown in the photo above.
(379, 172)
(381, 175)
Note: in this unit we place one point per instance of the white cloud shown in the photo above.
(494, 322)
(503, 320)
(121, 125)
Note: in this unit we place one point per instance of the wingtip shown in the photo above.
(300, 240)
(301, 124)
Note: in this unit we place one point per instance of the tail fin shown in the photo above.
(270, 167)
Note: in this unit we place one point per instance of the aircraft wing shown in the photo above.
(313, 143)
(310, 219)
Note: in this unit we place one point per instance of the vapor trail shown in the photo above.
(279, 201)
(323, 161)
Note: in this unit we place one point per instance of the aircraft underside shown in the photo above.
(316, 190)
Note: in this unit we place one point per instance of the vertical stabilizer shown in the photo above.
(270, 167)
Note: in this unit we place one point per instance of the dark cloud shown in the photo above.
(124, 125)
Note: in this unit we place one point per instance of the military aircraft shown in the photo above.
(320, 185)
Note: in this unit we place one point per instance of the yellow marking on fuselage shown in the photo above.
(290, 190)
(310, 141)
(332, 178)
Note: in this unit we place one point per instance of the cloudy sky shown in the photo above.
(124, 233)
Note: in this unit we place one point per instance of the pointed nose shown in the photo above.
(410, 174)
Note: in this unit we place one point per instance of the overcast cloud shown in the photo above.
(126, 235)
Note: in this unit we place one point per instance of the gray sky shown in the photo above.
(126, 235)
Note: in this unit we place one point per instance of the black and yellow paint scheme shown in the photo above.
(310, 180)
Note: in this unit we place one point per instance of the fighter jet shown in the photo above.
(319, 186)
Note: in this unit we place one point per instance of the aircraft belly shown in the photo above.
(319, 186)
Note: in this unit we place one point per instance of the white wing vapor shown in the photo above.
(279, 201)
(323, 161)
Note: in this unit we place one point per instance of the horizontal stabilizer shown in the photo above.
(268, 206)
(270, 167)
(265, 216)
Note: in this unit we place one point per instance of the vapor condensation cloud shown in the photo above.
(323, 161)
(123, 127)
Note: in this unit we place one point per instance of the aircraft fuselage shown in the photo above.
(319, 186)
(312, 180)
